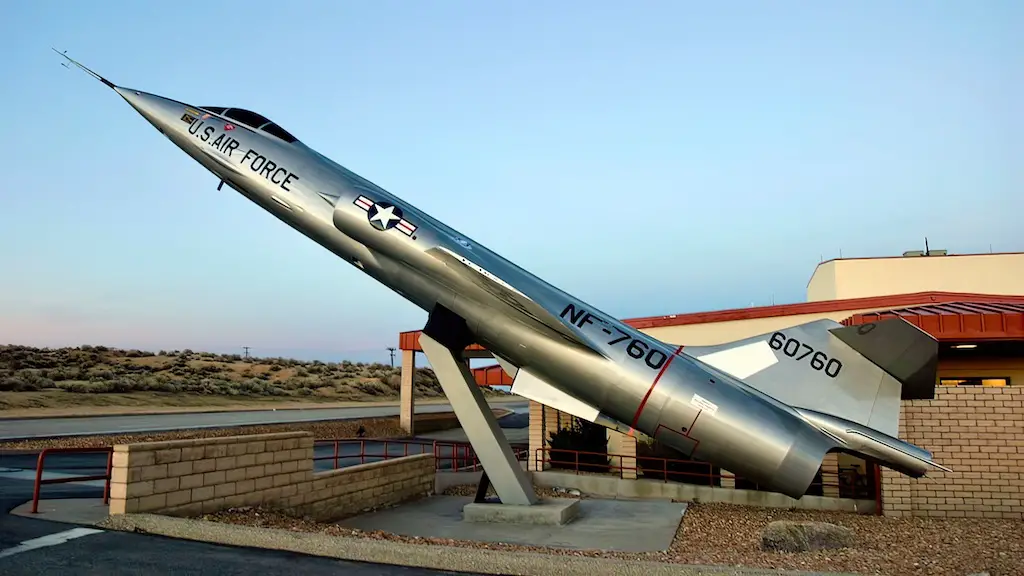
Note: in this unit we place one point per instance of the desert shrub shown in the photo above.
(99, 369)
(123, 384)
(16, 384)
(373, 388)
(100, 374)
(253, 387)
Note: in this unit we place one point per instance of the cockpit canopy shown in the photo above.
(253, 120)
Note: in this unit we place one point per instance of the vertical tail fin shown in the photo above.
(845, 380)
(902, 350)
(857, 373)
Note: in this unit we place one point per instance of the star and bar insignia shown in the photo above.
(384, 216)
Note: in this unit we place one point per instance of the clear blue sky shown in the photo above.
(662, 158)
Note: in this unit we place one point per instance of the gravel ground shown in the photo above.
(375, 428)
(729, 535)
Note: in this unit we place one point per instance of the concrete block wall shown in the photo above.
(191, 477)
(979, 433)
(338, 493)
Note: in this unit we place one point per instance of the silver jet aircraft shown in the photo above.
(766, 408)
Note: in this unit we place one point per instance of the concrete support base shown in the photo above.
(492, 448)
(548, 512)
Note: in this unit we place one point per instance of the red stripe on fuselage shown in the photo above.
(661, 372)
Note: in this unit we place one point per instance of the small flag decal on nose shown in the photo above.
(229, 127)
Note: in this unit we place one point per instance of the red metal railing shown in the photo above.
(653, 466)
(41, 463)
(458, 455)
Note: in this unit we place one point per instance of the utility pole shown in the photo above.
(246, 348)
(391, 349)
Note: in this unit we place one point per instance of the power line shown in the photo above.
(246, 348)
(391, 349)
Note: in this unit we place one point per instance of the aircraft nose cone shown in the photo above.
(159, 111)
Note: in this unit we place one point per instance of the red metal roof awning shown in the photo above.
(411, 341)
(492, 376)
(960, 321)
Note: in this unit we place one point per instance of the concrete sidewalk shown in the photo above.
(91, 512)
(418, 555)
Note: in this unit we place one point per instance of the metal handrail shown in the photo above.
(41, 463)
(462, 456)
(542, 456)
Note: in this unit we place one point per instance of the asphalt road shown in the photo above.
(32, 547)
(18, 429)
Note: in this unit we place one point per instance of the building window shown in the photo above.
(972, 381)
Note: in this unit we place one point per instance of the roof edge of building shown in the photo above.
(824, 306)
(933, 256)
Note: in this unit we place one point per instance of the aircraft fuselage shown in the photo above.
(633, 380)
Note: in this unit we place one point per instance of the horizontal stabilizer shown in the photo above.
(904, 351)
(897, 454)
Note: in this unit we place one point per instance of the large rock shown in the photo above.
(790, 536)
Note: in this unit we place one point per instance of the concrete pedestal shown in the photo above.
(546, 512)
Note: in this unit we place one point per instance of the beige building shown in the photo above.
(973, 304)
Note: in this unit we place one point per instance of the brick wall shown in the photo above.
(979, 433)
(191, 477)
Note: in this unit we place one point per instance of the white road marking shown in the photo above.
(51, 540)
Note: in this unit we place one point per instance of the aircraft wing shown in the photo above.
(535, 300)
(517, 299)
